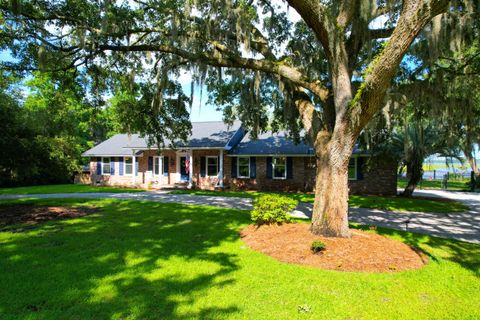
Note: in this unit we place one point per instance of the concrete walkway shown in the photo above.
(461, 226)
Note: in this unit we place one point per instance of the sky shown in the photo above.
(5, 56)
(203, 111)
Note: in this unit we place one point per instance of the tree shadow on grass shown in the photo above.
(465, 254)
(133, 260)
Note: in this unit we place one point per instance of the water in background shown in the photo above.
(438, 174)
(435, 168)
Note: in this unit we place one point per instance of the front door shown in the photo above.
(184, 166)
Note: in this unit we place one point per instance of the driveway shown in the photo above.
(461, 226)
(160, 196)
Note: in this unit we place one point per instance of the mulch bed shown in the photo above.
(29, 214)
(365, 252)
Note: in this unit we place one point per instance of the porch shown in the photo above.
(167, 169)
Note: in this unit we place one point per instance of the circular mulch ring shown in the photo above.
(365, 252)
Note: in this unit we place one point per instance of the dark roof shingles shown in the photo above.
(271, 144)
(215, 134)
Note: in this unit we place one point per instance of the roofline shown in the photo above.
(286, 155)
(193, 148)
(227, 154)
(109, 155)
(272, 155)
(209, 121)
(227, 147)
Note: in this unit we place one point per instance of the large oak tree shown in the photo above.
(324, 76)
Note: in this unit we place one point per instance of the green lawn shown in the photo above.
(438, 166)
(64, 188)
(145, 260)
(454, 185)
(375, 202)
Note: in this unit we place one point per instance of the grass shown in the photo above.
(64, 188)
(145, 260)
(438, 166)
(454, 185)
(374, 202)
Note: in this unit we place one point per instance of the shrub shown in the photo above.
(317, 246)
(271, 208)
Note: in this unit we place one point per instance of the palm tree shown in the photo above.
(420, 140)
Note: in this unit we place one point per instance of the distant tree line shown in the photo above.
(47, 121)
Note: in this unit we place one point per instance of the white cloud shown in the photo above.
(185, 78)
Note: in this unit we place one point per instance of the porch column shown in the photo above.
(134, 172)
(190, 168)
(220, 173)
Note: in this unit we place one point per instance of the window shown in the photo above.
(106, 166)
(279, 166)
(352, 169)
(212, 166)
(157, 165)
(128, 166)
(243, 167)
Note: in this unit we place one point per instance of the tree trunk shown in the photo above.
(471, 160)
(414, 173)
(330, 209)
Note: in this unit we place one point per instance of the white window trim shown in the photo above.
(273, 169)
(356, 170)
(206, 166)
(110, 164)
(160, 169)
(125, 166)
(238, 168)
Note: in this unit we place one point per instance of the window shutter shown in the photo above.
(253, 167)
(234, 167)
(112, 166)
(99, 166)
(165, 166)
(150, 164)
(203, 163)
(360, 168)
(136, 166)
(218, 165)
(289, 168)
(269, 167)
(120, 166)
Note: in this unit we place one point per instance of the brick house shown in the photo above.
(219, 156)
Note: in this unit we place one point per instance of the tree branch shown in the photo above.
(308, 114)
(228, 61)
(316, 17)
(347, 11)
(414, 16)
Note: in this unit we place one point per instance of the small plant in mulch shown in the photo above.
(271, 208)
(318, 246)
(304, 308)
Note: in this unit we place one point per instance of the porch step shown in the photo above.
(180, 185)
